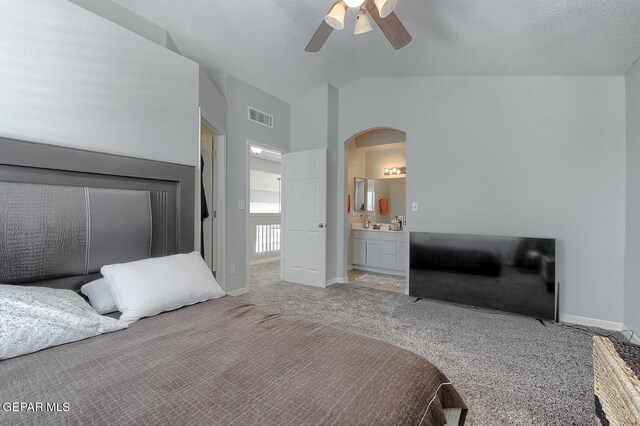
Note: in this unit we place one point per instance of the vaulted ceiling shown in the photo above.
(262, 41)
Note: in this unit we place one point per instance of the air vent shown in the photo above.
(260, 117)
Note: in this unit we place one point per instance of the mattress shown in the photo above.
(226, 362)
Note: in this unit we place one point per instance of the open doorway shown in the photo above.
(265, 209)
(376, 183)
(208, 207)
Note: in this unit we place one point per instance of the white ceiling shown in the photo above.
(262, 41)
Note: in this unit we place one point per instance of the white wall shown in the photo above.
(239, 96)
(632, 252)
(378, 159)
(531, 156)
(73, 78)
(264, 187)
(397, 197)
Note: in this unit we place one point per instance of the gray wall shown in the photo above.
(73, 78)
(239, 96)
(314, 125)
(632, 252)
(126, 18)
(309, 120)
(212, 104)
(531, 156)
(334, 213)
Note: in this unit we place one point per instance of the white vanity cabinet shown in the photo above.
(380, 251)
(359, 251)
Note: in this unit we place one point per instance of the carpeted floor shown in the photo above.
(377, 281)
(510, 370)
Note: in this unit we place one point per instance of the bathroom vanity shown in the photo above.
(379, 250)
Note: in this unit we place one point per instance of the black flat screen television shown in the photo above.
(512, 274)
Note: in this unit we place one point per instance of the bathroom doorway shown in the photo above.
(377, 241)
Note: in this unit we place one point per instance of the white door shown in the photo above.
(305, 217)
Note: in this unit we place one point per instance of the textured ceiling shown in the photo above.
(262, 41)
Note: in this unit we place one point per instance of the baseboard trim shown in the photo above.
(259, 261)
(350, 267)
(338, 280)
(238, 292)
(380, 271)
(592, 322)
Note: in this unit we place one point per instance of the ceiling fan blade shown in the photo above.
(319, 38)
(391, 26)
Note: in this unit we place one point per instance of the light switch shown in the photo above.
(241, 205)
(414, 206)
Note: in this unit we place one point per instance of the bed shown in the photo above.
(217, 362)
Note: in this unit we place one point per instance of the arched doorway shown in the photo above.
(375, 244)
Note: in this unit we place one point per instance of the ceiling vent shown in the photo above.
(260, 117)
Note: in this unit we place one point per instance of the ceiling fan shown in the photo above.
(380, 10)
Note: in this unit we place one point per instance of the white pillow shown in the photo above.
(100, 296)
(147, 287)
(34, 318)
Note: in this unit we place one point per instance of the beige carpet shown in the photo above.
(511, 370)
(377, 281)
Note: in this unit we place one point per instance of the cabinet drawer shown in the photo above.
(402, 237)
(367, 235)
(388, 236)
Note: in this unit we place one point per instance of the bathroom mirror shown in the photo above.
(371, 195)
(359, 199)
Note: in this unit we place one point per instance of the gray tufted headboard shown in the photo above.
(64, 213)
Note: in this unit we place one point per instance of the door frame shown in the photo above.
(220, 183)
(282, 151)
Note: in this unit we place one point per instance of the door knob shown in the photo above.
(321, 225)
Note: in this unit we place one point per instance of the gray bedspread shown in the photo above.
(225, 362)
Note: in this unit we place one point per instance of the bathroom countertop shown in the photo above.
(384, 227)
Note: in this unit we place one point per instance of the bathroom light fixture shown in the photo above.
(394, 171)
(362, 22)
(256, 150)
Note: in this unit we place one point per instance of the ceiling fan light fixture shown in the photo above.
(363, 25)
(385, 7)
(354, 3)
(335, 18)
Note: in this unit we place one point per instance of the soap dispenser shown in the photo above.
(367, 222)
